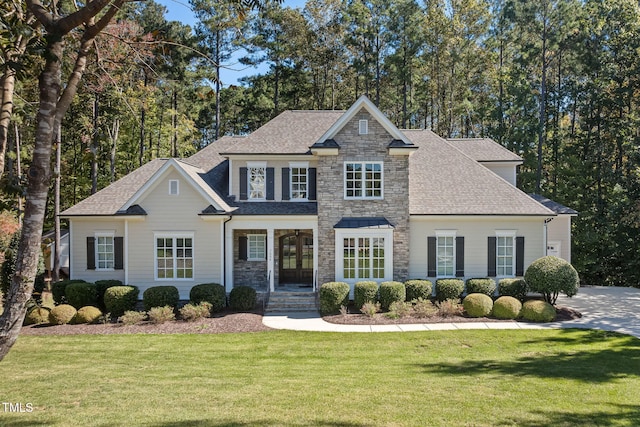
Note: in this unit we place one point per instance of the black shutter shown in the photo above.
(519, 256)
(270, 182)
(285, 184)
(491, 257)
(459, 256)
(431, 257)
(118, 253)
(242, 248)
(312, 184)
(91, 253)
(243, 183)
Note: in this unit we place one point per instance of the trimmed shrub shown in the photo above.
(550, 276)
(87, 314)
(417, 289)
(390, 292)
(37, 315)
(538, 311)
(81, 294)
(370, 308)
(58, 290)
(332, 296)
(485, 285)
(159, 296)
(131, 317)
(516, 288)
(507, 307)
(449, 289)
(101, 287)
(8, 267)
(213, 293)
(242, 298)
(423, 308)
(61, 314)
(364, 292)
(193, 312)
(158, 315)
(118, 299)
(477, 305)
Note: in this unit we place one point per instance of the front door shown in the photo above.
(296, 258)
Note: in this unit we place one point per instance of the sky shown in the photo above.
(180, 10)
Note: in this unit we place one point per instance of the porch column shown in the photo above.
(316, 285)
(270, 258)
(228, 250)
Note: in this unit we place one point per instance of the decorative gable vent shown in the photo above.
(363, 127)
(174, 186)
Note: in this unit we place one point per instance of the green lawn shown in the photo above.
(452, 378)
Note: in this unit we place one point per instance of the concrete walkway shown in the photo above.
(605, 308)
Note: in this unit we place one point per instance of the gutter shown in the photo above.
(224, 251)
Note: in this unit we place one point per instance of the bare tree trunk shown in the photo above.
(174, 123)
(113, 136)
(18, 169)
(55, 273)
(95, 146)
(6, 109)
(218, 60)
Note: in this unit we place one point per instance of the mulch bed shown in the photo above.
(228, 322)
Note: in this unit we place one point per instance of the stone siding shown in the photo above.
(248, 273)
(332, 205)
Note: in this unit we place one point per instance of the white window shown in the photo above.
(257, 181)
(363, 180)
(256, 247)
(446, 253)
(364, 255)
(174, 187)
(505, 253)
(363, 127)
(105, 255)
(299, 181)
(174, 257)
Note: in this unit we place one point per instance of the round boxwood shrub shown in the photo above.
(101, 287)
(417, 289)
(516, 288)
(507, 307)
(160, 296)
(213, 293)
(62, 314)
(538, 311)
(88, 314)
(478, 305)
(118, 299)
(58, 290)
(333, 295)
(364, 292)
(391, 292)
(449, 289)
(37, 315)
(485, 285)
(551, 275)
(242, 298)
(81, 294)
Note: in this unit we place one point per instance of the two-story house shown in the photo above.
(317, 196)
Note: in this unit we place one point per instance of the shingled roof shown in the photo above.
(484, 150)
(444, 181)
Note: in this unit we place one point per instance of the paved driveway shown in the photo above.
(606, 308)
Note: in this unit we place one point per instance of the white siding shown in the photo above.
(475, 231)
(506, 172)
(559, 229)
(174, 214)
(81, 228)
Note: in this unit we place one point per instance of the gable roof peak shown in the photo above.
(364, 102)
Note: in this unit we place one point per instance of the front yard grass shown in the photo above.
(283, 378)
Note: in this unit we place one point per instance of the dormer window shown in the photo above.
(363, 127)
(174, 187)
(299, 181)
(257, 174)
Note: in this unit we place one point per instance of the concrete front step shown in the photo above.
(291, 302)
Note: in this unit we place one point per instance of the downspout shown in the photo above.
(224, 251)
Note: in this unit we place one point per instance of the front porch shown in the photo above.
(276, 256)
